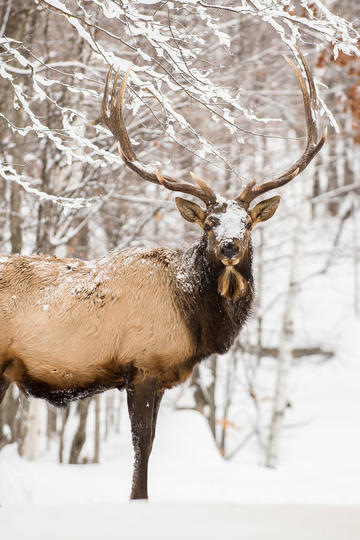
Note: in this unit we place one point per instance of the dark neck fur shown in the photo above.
(213, 320)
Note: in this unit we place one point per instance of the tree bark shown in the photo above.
(97, 430)
(286, 344)
(355, 210)
(64, 418)
(80, 435)
(31, 440)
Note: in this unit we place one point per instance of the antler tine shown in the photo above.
(313, 146)
(211, 196)
(102, 118)
(309, 97)
(203, 192)
(114, 121)
(116, 78)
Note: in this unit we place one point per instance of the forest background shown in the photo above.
(209, 92)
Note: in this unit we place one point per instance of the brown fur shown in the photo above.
(231, 284)
(214, 321)
(69, 324)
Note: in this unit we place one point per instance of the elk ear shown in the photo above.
(190, 211)
(264, 210)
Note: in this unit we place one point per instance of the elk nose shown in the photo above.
(229, 250)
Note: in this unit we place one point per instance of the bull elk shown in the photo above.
(138, 319)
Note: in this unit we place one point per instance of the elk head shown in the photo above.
(227, 223)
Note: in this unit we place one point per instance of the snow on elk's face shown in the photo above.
(227, 225)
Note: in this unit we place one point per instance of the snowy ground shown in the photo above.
(181, 521)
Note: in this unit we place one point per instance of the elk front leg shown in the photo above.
(157, 401)
(143, 399)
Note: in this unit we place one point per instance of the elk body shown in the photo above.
(137, 319)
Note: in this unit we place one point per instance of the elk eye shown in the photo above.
(213, 221)
(248, 224)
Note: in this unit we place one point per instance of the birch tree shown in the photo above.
(284, 360)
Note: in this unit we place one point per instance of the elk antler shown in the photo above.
(313, 146)
(114, 121)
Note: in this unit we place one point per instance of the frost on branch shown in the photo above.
(176, 69)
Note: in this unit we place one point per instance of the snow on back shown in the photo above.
(184, 276)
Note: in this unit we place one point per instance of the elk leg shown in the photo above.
(142, 404)
(4, 385)
(158, 398)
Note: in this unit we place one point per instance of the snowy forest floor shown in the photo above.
(180, 521)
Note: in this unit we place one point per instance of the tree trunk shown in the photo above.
(228, 394)
(31, 441)
(205, 396)
(8, 412)
(109, 413)
(355, 210)
(286, 344)
(80, 435)
(64, 418)
(117, 417)
(97, 430)
(211, 393)
(51, 427)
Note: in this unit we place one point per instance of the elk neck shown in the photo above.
(213, 321)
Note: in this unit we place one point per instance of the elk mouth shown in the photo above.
(230, 262)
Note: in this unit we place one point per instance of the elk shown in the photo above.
(138, 319)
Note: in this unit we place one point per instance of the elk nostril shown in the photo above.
(229, 250)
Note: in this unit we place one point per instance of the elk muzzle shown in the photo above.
(229, 252)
